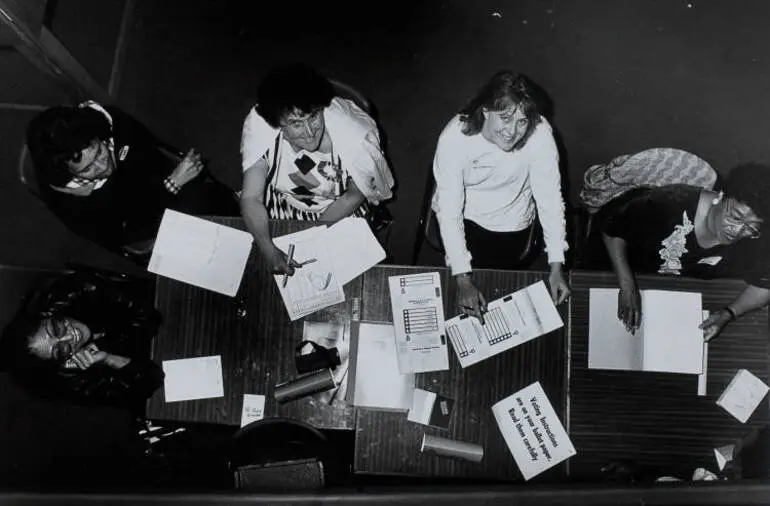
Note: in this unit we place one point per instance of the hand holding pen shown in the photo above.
(291, 264)
(470, 300)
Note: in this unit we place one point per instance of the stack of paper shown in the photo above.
(430, 408)
(201, 253)
(331, 257)
(508, 322)
(532, 431)
(418, 317)
(743, 395)
(669, 339)
(374, 379)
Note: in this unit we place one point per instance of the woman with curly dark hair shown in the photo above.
(689, 231)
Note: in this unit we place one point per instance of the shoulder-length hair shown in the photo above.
(292, 87)
(504, 89)
(57, 135)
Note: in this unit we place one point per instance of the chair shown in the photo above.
(346, 91)
(279, 454)
(428, 229)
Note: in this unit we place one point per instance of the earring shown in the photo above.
(718, 198)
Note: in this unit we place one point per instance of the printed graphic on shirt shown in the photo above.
(316, 179)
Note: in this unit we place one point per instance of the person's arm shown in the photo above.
(752, 298)
(629, 299)
(448, 204)
(545, 181)
(257, 220)
(345, 205)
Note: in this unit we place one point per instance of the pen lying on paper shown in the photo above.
(288, 262)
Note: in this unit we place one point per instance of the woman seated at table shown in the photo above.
(689, 231)
(307, 155)
(85, 338)
(107, 178)
(496, 168)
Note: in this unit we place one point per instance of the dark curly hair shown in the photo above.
(57, 135)
(292, 87)
(750, 183)
(503, 89)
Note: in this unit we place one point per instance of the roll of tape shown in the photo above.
(450, 448)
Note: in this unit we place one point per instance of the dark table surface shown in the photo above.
(386, 443)
(656, 422)
(257, 348)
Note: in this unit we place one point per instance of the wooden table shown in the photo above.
(657, 420)
(257, 348)
(386, 443)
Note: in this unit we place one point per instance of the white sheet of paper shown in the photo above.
(724, 454)
(253, 409)
(534, 434)
(742, 395)
(378, 382)
(193, 378)
(313, 286)
(353, 248)
(668, 340)
(418, 318)
(422, 406)
(703, 376)
(509, 321)
(201, 253)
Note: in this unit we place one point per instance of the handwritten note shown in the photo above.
(193, 378)
(532, 431)
(253, 408)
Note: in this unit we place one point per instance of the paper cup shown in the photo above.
(304, 386)
(449, 448)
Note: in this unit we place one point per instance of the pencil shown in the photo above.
(288, 262)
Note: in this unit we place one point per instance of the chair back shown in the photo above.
(26, 172)
(344, 90)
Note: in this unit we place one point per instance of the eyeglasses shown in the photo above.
(59, 328)
(97, 162)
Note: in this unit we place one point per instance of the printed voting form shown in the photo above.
(200, 252)
(534, 434)
(313, 286)
(418, 317)
(508, 322)
(668, 340)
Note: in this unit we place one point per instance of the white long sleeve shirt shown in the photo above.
(498, 190)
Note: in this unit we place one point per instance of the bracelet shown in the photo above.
(733, 315)
(171, 186)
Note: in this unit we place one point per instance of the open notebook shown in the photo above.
(669, 339)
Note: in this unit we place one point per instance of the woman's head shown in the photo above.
(745, 206)
(293, 98)
(70, 141)
(504, 111)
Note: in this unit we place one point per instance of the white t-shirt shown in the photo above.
(498, 190)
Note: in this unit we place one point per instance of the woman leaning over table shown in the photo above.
(497, 170)
(307, 155)
(684, 230)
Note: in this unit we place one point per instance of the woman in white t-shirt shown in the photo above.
(497, 169)
(307, 155)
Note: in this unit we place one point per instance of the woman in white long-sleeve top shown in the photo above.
(497, 169)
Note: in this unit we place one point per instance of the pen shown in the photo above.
(288, 262)
(308, 261)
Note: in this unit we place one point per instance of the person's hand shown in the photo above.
(86, 357)
(278, 261)
(630, 308)
(714, 324)
(559, 287)
(188, 169)
(470, 300)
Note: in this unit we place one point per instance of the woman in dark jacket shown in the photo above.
(86, 338)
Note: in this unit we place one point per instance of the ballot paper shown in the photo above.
(313, 286)
(418, 318)
(668, 340)
(374, 379)
(353, 248)
(200, 253)
(253, 409)
(532, 431)
(430, 408)
(331, 335)
(508, 322)
(742, 395)
(193, 378)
